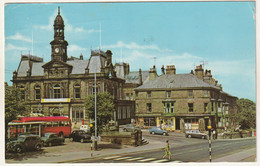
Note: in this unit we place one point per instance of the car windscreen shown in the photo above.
(21, 138)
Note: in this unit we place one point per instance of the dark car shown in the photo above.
(79, 135)
(158, 130)
(25, 143)
(131, 128)
(50, 139)
(195, 134)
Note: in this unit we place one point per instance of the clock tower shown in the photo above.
(59, 45)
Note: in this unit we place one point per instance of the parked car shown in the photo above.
(50, 139)
(158, 130)
(79, 135)
(130, 128)
(84, 127)
(25, 143)
(195, 134)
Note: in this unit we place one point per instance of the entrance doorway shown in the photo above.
(177, 123)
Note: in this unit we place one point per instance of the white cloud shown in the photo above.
(10, 47)
(20, 37)
(68, 27)
(132, 45)
(76, 48)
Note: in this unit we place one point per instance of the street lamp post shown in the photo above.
(95, 91)
(60, 107)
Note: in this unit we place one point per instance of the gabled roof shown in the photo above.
(173, 81)
(52, 62)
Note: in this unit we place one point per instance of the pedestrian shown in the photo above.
(214, 134)
(167, 150)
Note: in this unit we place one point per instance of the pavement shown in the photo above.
(248, 155)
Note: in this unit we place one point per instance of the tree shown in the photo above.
(246, 115)
(105, 108)
(14, 106)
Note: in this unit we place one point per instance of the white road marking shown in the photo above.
(148, 159)
(137, 158)
(122, 158)
(112, 157)
(160, 161)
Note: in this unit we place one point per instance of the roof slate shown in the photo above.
(37, 69)
(23, 68)
(176, 81)
(79, 66)
(133, 77)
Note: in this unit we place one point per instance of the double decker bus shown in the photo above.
(39, 126)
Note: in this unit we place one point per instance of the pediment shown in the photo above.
(56, 64)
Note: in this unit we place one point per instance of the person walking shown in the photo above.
(167, 150)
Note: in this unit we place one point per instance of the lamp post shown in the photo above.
(39, 108)
(60, 107)
(95, 91)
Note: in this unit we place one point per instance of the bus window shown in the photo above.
(55, 124)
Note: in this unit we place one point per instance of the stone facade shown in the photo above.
(59, 87)
(184, 101)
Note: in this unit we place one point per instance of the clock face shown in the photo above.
(57, 50)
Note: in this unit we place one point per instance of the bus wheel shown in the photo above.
(61, 135)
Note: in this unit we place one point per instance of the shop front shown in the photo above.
(166, 123)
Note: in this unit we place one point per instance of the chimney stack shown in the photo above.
(81, 57)
(140, 77)
(171, 69)
(152, 73)
(163, 70)
(199, 72)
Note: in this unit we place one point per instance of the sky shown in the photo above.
(185, 34)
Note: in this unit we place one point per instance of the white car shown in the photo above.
(84, 127)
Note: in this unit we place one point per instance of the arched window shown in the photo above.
(22, 92)
(77, 91)
(56, 91)
(37, 92)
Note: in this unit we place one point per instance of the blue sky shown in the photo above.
(179, 33)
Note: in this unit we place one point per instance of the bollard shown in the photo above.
(209, 127)
(91, 150)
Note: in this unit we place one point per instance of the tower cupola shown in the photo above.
(59, 44)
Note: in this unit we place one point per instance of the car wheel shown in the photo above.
(49, 144)
(81, 140)
(18, 149)
(38, 147)
(71, 139)
(153, 132)
(189, 136)
(164, 133)
(203, 137)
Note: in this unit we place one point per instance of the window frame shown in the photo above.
(190, 107)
